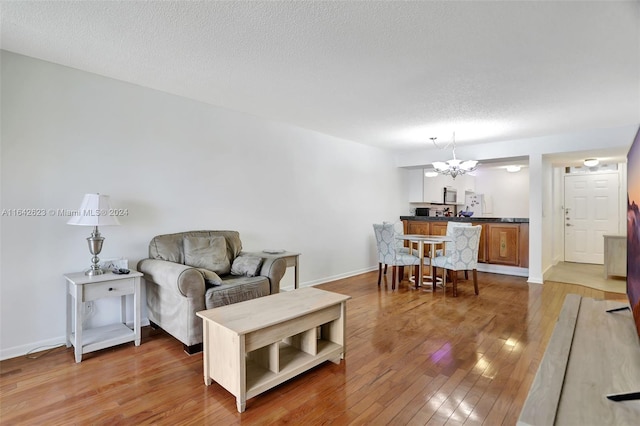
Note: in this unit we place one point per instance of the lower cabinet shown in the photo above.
(482, 248)
(425, 228)
(500, 243)
(503, 246)
(439, 228)
(417, 227)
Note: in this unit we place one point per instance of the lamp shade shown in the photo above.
(95, 210)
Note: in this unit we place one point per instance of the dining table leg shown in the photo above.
(432, 255)
(419, 278)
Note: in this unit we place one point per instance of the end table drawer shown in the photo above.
(108, 289)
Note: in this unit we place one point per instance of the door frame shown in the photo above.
(559, 220)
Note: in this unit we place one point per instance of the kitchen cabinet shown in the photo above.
(433, 189)
(426, 228)
(417, 227)
(416, 183)
(482, 247)
(503, 244)
(438, 228)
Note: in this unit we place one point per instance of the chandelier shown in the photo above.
(453, 167)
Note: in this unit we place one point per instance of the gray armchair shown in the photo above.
(192, 271)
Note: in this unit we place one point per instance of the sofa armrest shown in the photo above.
(273, 269)
(184, 279)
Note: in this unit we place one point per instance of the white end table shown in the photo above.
(289, 256)
(81, 289)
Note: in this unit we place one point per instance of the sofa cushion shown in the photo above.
(236, 289)
(208, 252)
(169, 247)
(246, 265)
(210, 277)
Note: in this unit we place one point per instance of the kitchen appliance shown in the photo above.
(422, 211)
(450, 195)
(477, 204)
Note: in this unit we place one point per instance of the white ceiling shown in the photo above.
(387, 74)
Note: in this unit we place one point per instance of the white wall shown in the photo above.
(176, 165)
(547, 242)
(508, 193)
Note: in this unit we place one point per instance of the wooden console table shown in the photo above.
(250, 347)
(590, 355)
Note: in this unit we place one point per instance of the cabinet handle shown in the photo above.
(111, 288)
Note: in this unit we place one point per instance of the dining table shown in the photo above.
(422, 241)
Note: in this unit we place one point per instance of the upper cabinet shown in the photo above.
(416, 184)
(434, 189)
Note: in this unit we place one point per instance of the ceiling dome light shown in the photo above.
(514, 169)
(591, 162)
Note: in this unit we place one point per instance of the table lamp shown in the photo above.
(94, 211)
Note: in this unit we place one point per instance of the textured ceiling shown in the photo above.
(387, 74)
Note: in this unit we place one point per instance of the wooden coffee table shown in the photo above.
(252, 346)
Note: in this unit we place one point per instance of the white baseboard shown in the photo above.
(546, 272)
(41, 345)
(22, 350)
(338, 277)
(503, 270)
(482, 267)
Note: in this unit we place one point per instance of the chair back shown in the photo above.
(398, 229)
(386, 243)
(450, 226)
(462, 253)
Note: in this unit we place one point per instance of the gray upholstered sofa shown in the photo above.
(192, 271)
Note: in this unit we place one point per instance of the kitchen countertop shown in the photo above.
(468, 219)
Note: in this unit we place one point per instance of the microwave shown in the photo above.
(450, 195)
(422, 211)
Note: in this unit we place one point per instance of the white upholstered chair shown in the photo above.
(460, 255)
(389, 253)
(449, 234)
(398, 229)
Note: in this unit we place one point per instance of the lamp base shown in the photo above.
(91, 272)
(95, 247)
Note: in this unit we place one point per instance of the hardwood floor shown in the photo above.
(413, 357)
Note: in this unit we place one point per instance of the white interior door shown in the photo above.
(591, 211)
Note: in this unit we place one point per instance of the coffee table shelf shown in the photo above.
(292, 362)
(252, 346)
